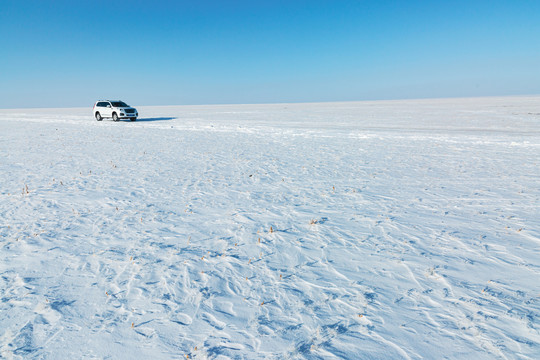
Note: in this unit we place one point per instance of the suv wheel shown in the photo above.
(98, 117)
(114, 117)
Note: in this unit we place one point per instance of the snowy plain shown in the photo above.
(360, 230)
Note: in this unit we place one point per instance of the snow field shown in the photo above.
(373, 230)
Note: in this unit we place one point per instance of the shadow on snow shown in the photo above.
(155, 119)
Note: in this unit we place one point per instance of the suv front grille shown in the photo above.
(130, 111)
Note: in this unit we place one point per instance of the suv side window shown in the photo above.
(102, 104)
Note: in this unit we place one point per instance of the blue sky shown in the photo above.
(71, 53)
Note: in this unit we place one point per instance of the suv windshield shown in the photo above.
(119, 104)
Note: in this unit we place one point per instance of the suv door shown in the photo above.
(107, 109)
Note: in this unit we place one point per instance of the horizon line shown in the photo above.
(303, 102)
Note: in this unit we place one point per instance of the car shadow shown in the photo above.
(156, 119)
(151, 119)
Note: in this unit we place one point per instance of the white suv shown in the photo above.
(115, 110)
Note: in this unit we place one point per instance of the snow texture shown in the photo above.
(367, 230)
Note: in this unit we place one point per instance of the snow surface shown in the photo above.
(367, 230)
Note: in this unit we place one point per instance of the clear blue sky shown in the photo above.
(70, 53)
